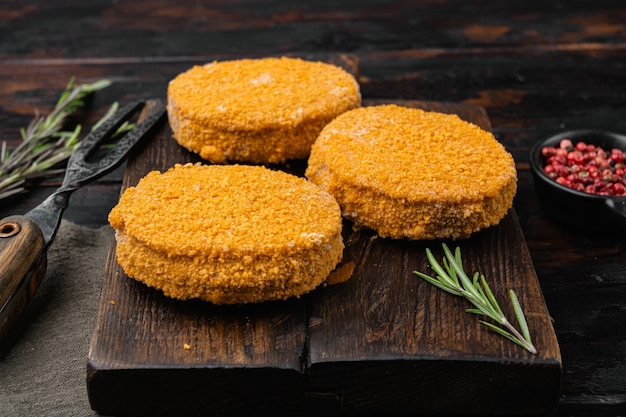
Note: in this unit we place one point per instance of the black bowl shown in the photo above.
(576, 209)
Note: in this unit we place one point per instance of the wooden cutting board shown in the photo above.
(383, 341)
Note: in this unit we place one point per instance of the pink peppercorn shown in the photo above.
(586, 167)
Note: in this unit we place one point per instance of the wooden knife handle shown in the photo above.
(22, 267)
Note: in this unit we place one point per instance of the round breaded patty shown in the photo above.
(409, 173)
(227, 233)
(267, 110)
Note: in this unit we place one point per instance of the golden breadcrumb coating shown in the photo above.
(227, 233)
(409, 173)
(266, 110)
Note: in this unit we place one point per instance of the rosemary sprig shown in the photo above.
(45, 147)
(452, 278)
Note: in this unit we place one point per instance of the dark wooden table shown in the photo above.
(537, 67)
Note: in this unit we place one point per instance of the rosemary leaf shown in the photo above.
(457, 264)
(491, 297)
(453, 279)
(504, 333)
(521, 319)
(437, 283)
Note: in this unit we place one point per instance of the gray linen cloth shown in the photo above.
(43, 367)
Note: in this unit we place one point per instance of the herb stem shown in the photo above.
(452, 278)
(44, 144)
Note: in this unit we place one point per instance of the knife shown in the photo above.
(24, 240)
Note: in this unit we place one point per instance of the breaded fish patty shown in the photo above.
(227, 233)
(409, 173)
(266, 110)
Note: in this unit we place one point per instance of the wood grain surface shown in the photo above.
(383, 341)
